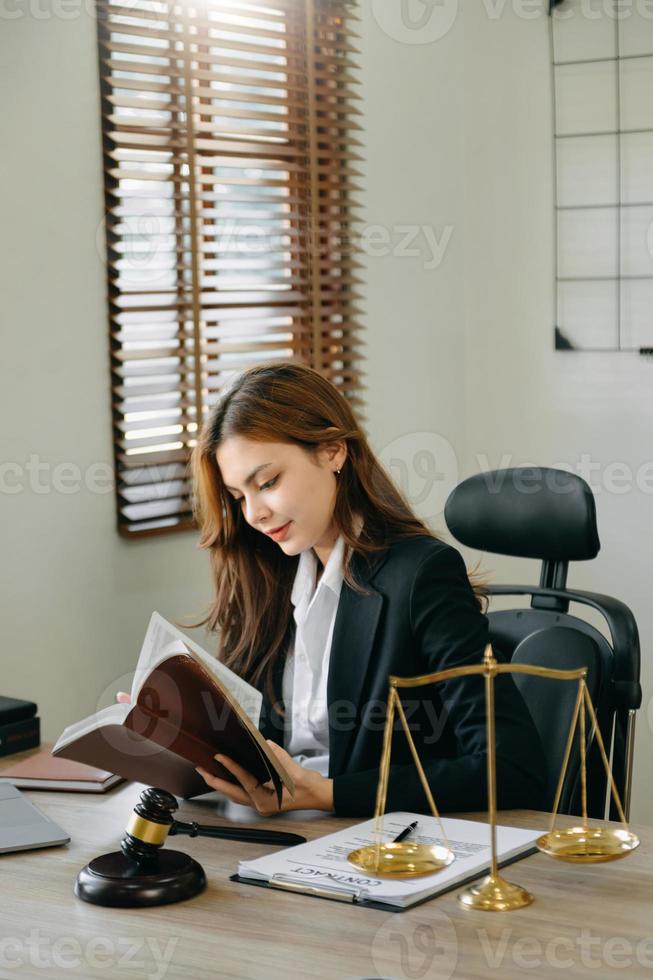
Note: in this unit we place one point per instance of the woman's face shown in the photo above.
(282, 488)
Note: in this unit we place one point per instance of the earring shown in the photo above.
(337, 472)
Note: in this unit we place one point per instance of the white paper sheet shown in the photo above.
(323, 862)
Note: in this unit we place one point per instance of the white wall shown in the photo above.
(525, 401)
(457, 135)
(414, 314)
(75, 598)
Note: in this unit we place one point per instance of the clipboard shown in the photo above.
(353, 896)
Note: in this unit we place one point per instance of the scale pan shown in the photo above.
(588, 845)
(401, 860)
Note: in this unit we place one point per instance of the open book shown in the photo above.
(320, 867)
(185, 707)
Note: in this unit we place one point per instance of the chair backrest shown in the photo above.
(537, 512)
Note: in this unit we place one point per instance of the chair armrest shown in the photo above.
(623, 633)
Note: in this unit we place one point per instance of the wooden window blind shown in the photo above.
(230, 142)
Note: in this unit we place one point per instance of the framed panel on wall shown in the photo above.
(602, 68)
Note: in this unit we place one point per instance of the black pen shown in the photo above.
(405, 832)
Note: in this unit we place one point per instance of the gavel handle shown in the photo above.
(246, 834)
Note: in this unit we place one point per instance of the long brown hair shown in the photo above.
(283, 402)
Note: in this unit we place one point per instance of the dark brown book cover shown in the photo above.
(183, 716)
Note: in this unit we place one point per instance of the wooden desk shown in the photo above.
(593, 921)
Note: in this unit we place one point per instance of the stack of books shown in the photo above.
(20, 726)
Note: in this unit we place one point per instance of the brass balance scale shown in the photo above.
(582, 844)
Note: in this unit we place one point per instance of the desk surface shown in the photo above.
(593, 921)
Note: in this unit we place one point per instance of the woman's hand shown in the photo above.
(312, 791)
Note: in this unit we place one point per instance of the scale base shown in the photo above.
(116, 881)
(495, 894)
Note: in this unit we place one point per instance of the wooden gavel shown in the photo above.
(141, 873)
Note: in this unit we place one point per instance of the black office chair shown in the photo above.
(550, 514)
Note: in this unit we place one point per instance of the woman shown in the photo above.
(326, 583)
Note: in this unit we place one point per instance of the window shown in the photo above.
(230, 162)
(603, 82)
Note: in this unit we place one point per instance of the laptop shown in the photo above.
(23, 826)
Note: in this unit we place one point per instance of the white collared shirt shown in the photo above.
(304, 686)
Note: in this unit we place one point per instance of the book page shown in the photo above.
(163, 640)
(323, 862)
(114, 714)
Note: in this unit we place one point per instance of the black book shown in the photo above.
(14, 709)
(20, 735)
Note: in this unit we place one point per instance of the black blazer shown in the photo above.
(419, 615)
